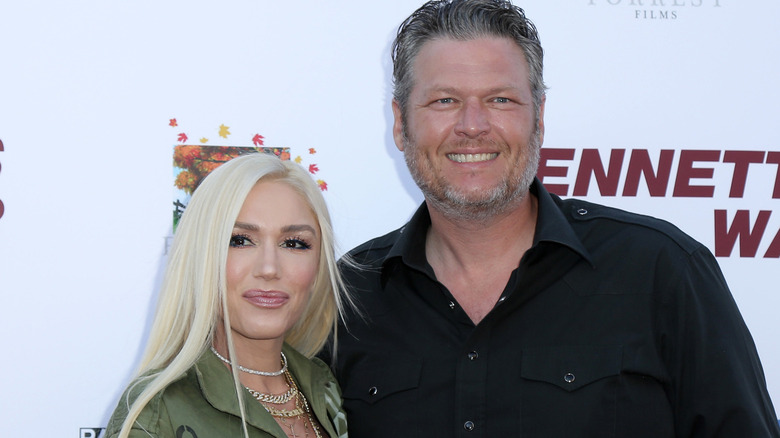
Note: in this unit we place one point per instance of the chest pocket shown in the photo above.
(373, 382)
(376, 390)
(578, 384)
(570, 368)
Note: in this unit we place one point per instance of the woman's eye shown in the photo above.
(295, 244)
(237, 241)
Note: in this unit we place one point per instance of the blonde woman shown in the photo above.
(250, 295)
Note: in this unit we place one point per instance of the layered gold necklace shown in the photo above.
(288, 417)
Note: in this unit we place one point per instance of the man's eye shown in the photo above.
(445, 100)
(502, 100)
(296, 244)
(237, 241)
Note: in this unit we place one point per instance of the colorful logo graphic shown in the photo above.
(192, 163)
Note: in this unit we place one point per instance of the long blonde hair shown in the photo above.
(192, 295)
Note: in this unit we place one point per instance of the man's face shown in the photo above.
(470, 134)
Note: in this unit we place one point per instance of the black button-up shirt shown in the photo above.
(612, 325)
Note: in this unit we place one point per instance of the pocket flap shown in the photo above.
(375, 380)
(570, 368)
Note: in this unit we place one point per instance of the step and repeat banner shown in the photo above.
(108, 110)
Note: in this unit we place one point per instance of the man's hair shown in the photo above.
(464, 20)
(193, 294)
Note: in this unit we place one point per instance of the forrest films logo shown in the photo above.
(663, 10)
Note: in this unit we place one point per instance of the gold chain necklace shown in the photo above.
(301, 409)
(275, 399)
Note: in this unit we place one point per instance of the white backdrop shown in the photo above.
(88, 88)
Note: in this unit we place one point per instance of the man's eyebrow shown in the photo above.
(451, 90)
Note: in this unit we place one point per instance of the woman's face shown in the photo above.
(272, 262)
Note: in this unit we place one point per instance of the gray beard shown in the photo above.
(498, 200)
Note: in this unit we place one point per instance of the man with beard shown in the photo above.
(501, 310)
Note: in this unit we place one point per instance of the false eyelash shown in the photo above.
(304, 243)
(239, 236)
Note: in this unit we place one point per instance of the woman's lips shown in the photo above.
(267, 299)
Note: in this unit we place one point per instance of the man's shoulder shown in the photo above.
(584, 214)
(373, 251)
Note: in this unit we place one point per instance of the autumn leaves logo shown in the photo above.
(193, 162)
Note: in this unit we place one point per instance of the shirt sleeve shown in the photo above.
(718, 387)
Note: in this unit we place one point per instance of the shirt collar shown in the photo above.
(552, 224)
(551, 227)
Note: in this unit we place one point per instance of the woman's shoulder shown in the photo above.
(148, 416)
(153, 418)
(301, 364)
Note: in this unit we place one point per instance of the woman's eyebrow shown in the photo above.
(286, 229)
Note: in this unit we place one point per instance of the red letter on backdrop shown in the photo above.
(686, 171)
(741, 160)
(726, 237)
(773, 252)
(591, 163)
(545, 170)
(774, 158)
(639, 164)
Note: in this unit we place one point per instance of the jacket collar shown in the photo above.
(216, 385)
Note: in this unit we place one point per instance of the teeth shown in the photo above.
(471, 158)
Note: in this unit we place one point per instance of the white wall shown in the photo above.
(87, 89)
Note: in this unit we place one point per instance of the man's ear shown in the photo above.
(540, 122)
(398, 126)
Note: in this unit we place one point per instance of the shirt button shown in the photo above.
(501, 300)
(568, 377)
(582, 212)
(473, 355)
(372, 391)
(469, 425)
(452, 305)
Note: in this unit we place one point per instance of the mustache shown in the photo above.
(479, 143)
(467, 143)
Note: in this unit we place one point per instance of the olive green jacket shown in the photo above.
(202, 403)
